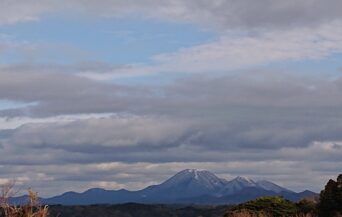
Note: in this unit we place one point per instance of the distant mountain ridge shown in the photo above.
(188, 186)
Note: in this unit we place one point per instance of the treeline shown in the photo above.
(329, 204)
(273, 207)
(138, 210)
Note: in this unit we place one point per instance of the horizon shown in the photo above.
(169, 178)
(123, 94)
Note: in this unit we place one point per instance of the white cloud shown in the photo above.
(229, 53)
(236, 47)
(7, 123)
(241, 50)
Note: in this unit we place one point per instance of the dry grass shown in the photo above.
(31, 209)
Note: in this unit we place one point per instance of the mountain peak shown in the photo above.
(244, 179)
(192, 174)
(193, 182)
(195, 173)
(189, 171)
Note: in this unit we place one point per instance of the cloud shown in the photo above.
(236, 124)
(231, 52)
(9, 45)
(240, 50)
(54, 91)
(260, 123)
(247, 109)
(222, 14)
(20, 11)
(97, 134)
(284, 31)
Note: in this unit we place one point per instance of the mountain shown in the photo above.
(187, 186)
(236, 185)
(270, 186)
(240, 183)
(93, 196)
(187, 183)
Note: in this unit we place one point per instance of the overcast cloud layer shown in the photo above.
(76, 126)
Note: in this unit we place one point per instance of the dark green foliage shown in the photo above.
(273, 206)
(306, 206)
(331, 199)
(138, 210)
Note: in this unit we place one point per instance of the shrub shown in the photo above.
(31, 209)
(307, 207)
(266, 206)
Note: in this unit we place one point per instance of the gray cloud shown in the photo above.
(275, 125)
(263, 110)
(60, 92)
(99, 134)
(220, 13)
(233, 121)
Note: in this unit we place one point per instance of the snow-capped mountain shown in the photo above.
(240, 183)
(188, 183)
(190, 178)
(236, 185)
(187, 186)
(270, 186)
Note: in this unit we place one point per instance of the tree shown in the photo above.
(330, 204)
(339, 193)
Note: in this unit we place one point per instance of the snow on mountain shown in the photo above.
(187, 183)
(192, 176)
(236, 185)
(270, 186)
(192, 183)
(240, 183)
(244, 181)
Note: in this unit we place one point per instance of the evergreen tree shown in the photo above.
(339, 193)
(330, 204)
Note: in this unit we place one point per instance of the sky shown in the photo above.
(124, 94)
